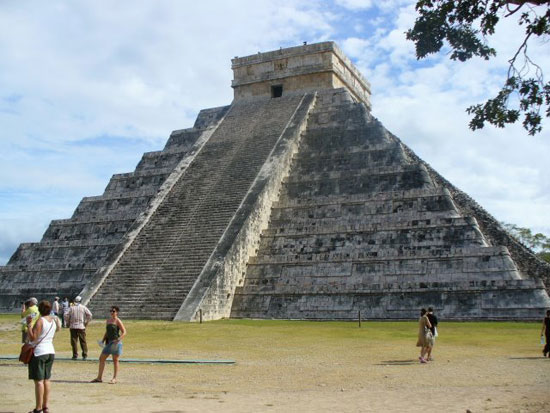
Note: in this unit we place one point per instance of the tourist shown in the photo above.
(29, 309)
(425, 338)
(77, 318)
(433, 321)
(56, 307)
(114, 333)
(546, 332)
(40, 366)
(64, 310)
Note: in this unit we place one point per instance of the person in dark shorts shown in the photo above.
(433, 321)
(114, 333)
(546, 332)
(40, 366)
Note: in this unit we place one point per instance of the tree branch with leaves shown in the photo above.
(464, 26)
(539, 243)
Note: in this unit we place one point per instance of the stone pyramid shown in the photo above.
(293, 202)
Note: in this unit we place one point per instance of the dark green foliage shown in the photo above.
(539, 243)
(464, 26)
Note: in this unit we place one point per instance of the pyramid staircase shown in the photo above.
(156, 272)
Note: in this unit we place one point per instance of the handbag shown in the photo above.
(27, 349)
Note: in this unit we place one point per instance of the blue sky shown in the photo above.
(87, 86)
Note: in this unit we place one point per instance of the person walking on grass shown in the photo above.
(77, 318)
(40, 366)
(433, 321)
(114, 333)
(425, 338)
(56, 307)
(546, 332)
(64, 310)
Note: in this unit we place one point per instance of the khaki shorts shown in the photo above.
(40, 368)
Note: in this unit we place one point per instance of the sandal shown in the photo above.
(45, 410)
(113, 381)
(96, 380)
(36, 411)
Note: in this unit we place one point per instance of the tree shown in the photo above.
(464, 26)
(539, 243)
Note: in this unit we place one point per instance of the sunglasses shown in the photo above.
(113, 311)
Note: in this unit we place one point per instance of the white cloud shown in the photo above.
(355, 47)
(355, 4)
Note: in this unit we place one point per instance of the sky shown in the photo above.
(88, 86)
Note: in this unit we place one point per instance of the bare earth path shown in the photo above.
(296, 367)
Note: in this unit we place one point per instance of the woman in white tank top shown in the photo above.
(40, 366)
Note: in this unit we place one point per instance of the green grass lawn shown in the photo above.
(254, 338)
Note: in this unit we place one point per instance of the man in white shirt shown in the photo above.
(64, 310)
(77, 318)
(56, 306)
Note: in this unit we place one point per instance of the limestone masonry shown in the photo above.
(292, 202)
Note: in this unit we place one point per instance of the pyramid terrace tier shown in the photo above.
(378, 231)
(70, 252)
(369, 141)
(370, 171)
(165, 159)
(481, 299)
(407, 178)
(41, 281)
(466, 264)
(355, 158)
(99, 229)
(141, 180)
(127, 205)
(401, 254)
(420, 208)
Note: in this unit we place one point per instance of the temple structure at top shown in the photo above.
(298, 69)
(292, 202)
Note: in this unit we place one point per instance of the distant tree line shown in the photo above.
(539, 243)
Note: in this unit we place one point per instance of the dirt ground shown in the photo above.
(331, 372)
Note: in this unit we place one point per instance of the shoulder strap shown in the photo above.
(53, 322)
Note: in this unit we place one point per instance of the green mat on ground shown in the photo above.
(147, 361)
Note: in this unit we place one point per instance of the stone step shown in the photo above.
(309, 161)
